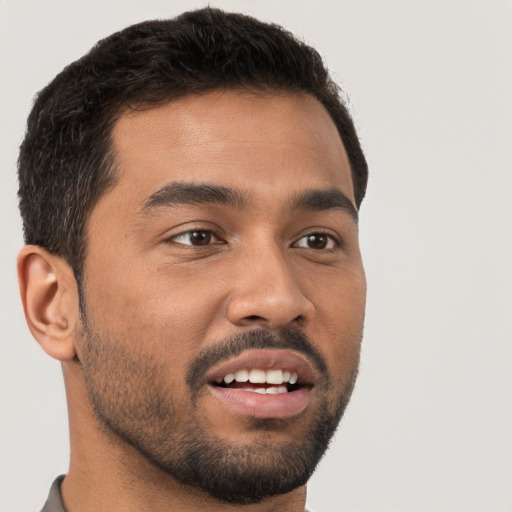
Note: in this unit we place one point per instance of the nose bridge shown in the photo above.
(266, 291)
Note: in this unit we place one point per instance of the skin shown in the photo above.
(159, 298)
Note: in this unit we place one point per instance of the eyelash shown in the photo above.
(333, 241)
(330, 239)
(209, 232)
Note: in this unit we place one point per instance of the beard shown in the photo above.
(132, 398)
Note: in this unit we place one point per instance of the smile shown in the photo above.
(270, 382)
(264, 384)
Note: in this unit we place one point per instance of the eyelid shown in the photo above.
(216, 238)
(332, 238)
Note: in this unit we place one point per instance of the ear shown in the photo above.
(50, 300)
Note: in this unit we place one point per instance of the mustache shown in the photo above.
(262, 339)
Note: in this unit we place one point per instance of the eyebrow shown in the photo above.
(319, 200)
(182, 193)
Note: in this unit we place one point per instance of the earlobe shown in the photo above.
(50, 300)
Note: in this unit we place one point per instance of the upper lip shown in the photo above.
(285, 360)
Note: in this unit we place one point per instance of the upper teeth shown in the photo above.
(262, 377)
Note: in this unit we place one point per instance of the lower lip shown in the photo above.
(257, 405)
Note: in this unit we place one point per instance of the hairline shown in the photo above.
(111, 169)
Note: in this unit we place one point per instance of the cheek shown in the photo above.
(161, 309)
(340, 319)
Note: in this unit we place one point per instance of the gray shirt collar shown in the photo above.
(54, 501)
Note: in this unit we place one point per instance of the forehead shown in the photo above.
(269, 142)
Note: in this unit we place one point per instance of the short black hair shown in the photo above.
(66, 162)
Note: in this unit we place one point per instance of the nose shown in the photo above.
(267, 293)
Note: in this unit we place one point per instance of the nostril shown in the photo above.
(254, 318)
(257, 318)
(300, 319)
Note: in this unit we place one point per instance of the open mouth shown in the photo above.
(264, 383)
(270, 382)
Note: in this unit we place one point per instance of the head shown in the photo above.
(199, 180)
(66, 160)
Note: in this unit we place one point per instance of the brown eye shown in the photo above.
(317, 241)
(196, 238)
(200, 237)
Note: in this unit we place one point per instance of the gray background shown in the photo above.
(430, 85)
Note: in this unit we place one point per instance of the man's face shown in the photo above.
(228, 249)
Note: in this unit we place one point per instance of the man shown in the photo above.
(190, 192)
